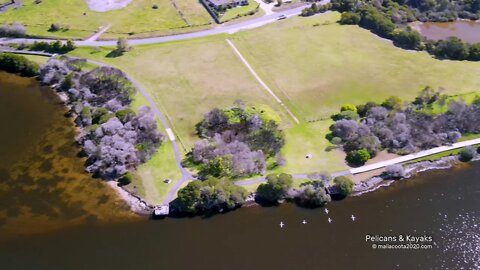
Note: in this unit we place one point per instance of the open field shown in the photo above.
(313, 69)
(188, 78)
(315, 65)
(138, 18)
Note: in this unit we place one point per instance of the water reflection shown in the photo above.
(469, 31)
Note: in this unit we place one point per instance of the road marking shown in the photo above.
(170, 134)
(260, 80)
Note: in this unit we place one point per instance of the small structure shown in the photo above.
(308, 156)
(161, 211)
(225, 4)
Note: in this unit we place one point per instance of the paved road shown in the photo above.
(379, 165)
(185, 175)
(231, 28)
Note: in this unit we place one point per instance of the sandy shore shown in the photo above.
(137, 204)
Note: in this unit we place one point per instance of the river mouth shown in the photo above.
(43, 182)
(468, 31)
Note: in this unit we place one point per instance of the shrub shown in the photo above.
(344, 185)
(18, 64)
(350, 18)
(358, 157)
(125, 179)
(275, 189)
(467, 153)
(55, 27)
(395, 171)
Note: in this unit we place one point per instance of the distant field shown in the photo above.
(137, 19)
(318, 68)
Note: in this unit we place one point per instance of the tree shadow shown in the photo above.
(115, 53)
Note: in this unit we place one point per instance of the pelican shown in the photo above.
(353, 217)
(326, 211)
(329, 220)
(304, 222)
(281, 224)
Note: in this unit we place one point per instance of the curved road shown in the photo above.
(185, 175)
(231, 28)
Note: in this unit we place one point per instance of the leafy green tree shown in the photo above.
(344, 185)
(18, 64)
(358, 157)
(275, 189)
(348, 107)
(312, 194)
(122, 45)
(410, 40)
(467, 153)
(210, 195)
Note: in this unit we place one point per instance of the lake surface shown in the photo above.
(43, 185)
(442, 204)
(468, 31)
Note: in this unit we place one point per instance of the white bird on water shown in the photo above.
(326, 211)
(281, 224)
(353, 218)
(304, 222)
(329, 220)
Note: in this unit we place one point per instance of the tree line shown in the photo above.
(389, 19)
(18, 64)
(402, 128)
(115, 139)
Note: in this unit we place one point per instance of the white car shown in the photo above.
(282, 17)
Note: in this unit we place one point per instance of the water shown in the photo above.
(468, 31)
(43, 185)
(442, 204)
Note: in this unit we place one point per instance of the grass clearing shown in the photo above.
(188, 78)
(316, 69)
(240, 11)
(138, 18)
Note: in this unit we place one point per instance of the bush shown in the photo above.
(14, 30)
(311, 194)
(467, 153)
(410, 40)
(344, 185)
(395, 171)
(358, 157)
(212, 195)
(275, 189)
(125, 179)
(350, 18)
(18, 64)
(55, 27)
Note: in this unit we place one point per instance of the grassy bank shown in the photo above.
(138, 18)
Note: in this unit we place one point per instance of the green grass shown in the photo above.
(309, 138)
(188, 78)
(239, 11)
(313, 69)
(138, 18)
(37, 59)
(316, 69)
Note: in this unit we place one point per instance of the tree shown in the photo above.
(410, 40)
(358, 157)
(211, 195)
(452, 48)
(122, 45)
(279, 3)
(348, 107)
(312, 194)
(344, 185)
(275, 189)
(467, 153)
(17, 30)
(395, 171)
(18, 64)
(392, 103)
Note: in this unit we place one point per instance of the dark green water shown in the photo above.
(442, 204)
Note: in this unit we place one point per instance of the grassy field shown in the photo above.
(316, 65)
(239, 11)
(314, 69)
(188, 78)
(138, 18)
